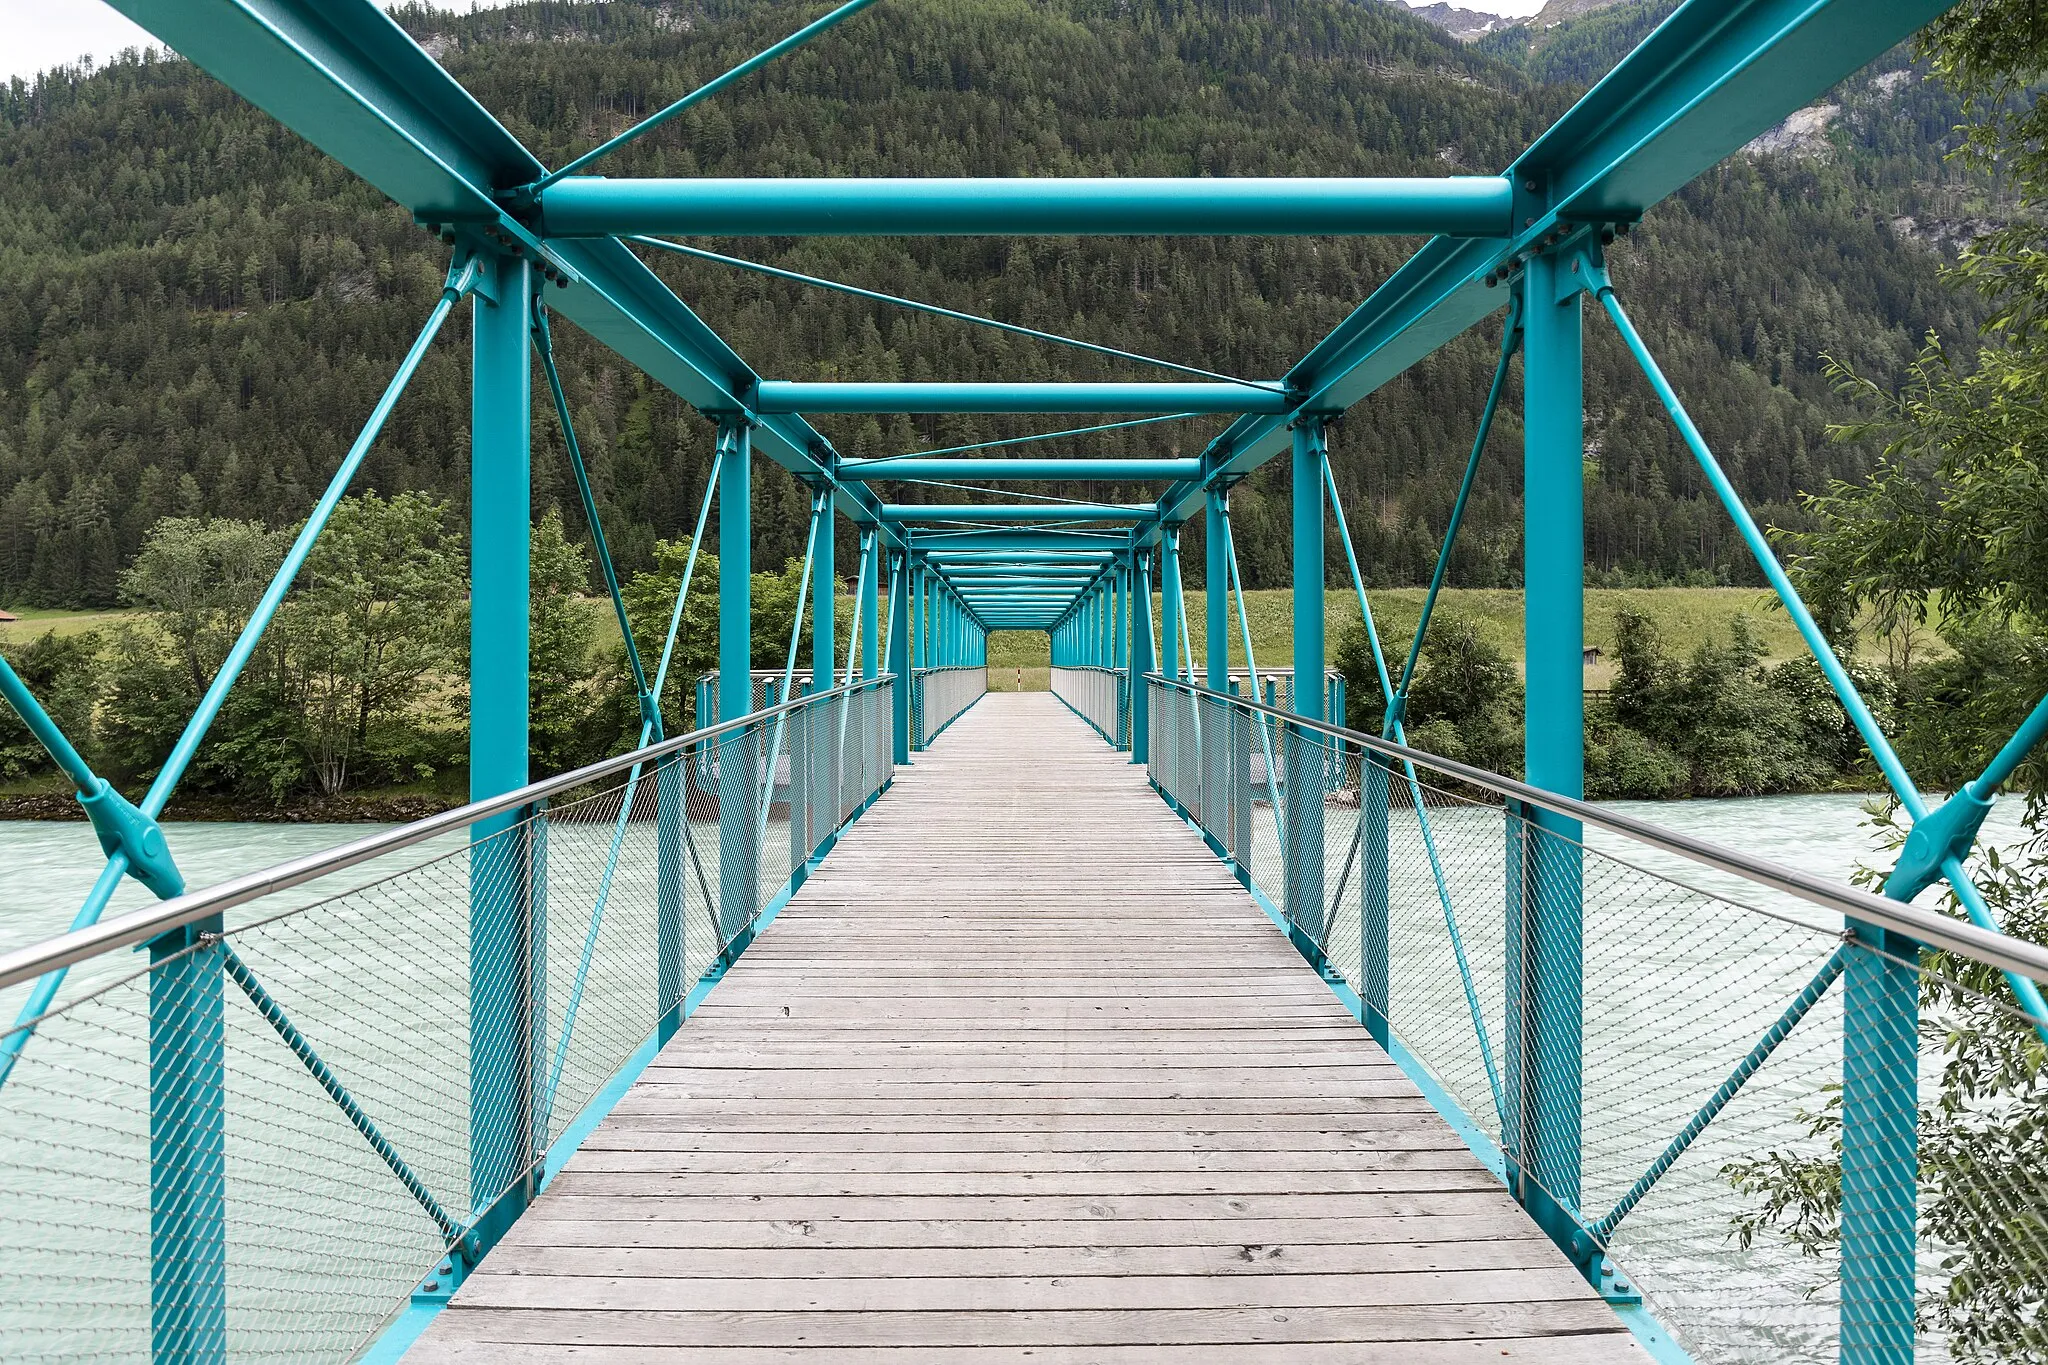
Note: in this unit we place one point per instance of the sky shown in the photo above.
(46, 33)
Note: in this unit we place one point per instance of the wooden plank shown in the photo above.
(1021, 1072)
(1405, 1236)
(1559, 1350)
(561, 1203)
(930, 1263)
(1554, 1283)
(942, 1327)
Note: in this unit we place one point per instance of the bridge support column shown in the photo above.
(188, 1227)
(1545, 968)
(507, 875)
(1880, 1148)
(1170, 604)
(739, 752)
(672, 895)
(1217, 790)
(870, 600)
(1304, 765)
(825, 675)
(899, 651)
(1138, 660)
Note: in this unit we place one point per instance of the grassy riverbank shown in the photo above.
(1684, 617)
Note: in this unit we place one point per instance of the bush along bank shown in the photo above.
(1722, 722)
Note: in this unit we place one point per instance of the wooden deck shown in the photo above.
(1023, 1074)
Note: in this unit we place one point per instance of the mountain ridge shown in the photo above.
(199, 309)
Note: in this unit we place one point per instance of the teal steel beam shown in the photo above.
(1712, 77)
(914, 468)
(1170, 603)
(962, 574)
(990, 558)
(1204, 206)
(1216, 589)
(188, 1207)
(1140, 655)
(738, 756)
(899, 651)
(796, 396)
(1006, 513)
(343, 75)
(1307, 756)
(1007, 540)
(1545, 958)
(507, 955)
(870, 616)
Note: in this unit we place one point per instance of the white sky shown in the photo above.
(46, 33)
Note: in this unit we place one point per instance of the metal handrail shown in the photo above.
(1994, 949)
(122, 931)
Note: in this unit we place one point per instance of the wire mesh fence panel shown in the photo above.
(764, 689)
(1099, 696)
(941, 695)
(253, 1143)
(1785, 1140)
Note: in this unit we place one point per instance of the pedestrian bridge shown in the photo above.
(1022, 1069)
(755, 1044)
(1162, 1018)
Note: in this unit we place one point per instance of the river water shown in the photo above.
(47, 867)
(1669, 998)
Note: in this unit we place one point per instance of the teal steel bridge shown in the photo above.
(324, 1094)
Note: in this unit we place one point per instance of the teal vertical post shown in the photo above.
(824, 607)
(1119, 611)
(1218, 791)
(921, 621)
(672, 895)
(1880, 1147)
(1138, 659)
(1169, 604)
(1216, 589)
(188, 1239)
(1545, 956)
(825, 672)
(899, 652)
(1375, 893)
(739, 752)
(870, 589)
(504, 952)
(1306, 753)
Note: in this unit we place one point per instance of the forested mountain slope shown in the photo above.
(197, 309)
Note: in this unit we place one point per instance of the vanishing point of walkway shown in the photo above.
(1022, 1074)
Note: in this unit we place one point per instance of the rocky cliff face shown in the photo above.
(1463, 24)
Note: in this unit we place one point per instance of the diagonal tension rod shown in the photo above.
(916, 306)
(1946, 860)
(707, 90)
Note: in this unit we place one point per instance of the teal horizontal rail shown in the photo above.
(915, 467)
(1924, 926)
(797, 396)
(1002, 513)
(1452, 206)
(125, 931)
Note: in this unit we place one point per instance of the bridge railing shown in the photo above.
(764, 690)
(329, 1086)
(938, 696)
(1100, 696)
(1733, 1091)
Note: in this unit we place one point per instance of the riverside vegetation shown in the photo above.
(357, 687)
